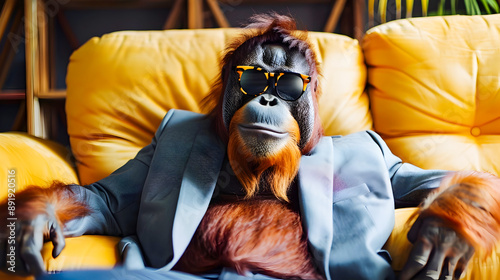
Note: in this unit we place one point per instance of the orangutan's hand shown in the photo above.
(438, 251)
(24, 241)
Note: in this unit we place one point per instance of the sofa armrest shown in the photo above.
(84, 252)
(80, 253)
(28, 160)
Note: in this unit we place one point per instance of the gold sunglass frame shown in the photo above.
(242, 68)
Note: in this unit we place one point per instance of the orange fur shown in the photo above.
(252, 235)
(278, 169)
(34, 200)
(468, 202)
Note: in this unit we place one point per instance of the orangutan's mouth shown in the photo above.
(262, 129)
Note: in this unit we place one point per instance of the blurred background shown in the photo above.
(64, 25)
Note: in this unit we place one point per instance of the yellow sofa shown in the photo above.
(429, 86)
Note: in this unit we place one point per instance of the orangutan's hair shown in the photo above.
(263, 236)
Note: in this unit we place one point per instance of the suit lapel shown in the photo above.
(197, 187)
(315, 184)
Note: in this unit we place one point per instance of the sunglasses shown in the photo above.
(255, 81)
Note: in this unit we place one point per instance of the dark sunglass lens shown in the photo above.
(253, 81)
(290, 86)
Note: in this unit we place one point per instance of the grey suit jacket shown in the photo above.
(348, 188)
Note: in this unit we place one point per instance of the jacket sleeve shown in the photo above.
(410, 184)
(114, 201)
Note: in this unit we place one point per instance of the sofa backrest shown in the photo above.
(434, 87)
(120, 86)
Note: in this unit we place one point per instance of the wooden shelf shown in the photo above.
(134, 4)
(128, 4)
(12, 95)
(53, 94)
(21, 95)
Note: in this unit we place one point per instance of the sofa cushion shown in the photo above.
(120, 86)
(434, 87)
(28, 160)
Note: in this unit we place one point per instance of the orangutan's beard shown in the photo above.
(274, 165)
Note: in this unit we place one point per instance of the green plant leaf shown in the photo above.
(382, 6)
(471, 7)
(486, 6)
(398, 9)
(493, 4)
(409, 8)
(440, 10)
(475, 5)
(425, 6)
(467, 7)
